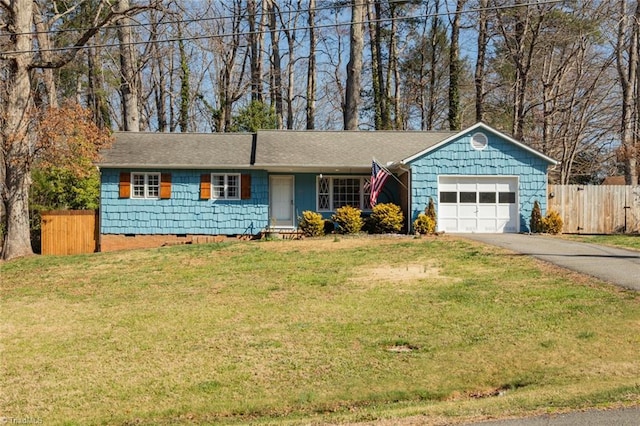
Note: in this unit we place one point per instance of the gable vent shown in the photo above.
(479, 141)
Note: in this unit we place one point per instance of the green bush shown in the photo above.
(385, 218)
(348, 219)
(311, 224)
(424, 224)
(535, 224)
(552, 222)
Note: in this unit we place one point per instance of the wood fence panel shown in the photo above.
(69, 232)
(597, 209)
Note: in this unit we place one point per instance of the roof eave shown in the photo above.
(172, 166)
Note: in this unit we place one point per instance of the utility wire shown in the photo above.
(190, 20)
(246, 33)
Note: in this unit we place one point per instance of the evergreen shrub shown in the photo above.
(552, 222)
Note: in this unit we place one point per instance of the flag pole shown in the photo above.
(390, 174)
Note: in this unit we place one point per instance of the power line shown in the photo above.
(186, 21)
(247, 33)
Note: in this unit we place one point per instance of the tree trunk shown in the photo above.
(45, 45)
(96, 98)
(255, 41)
(393, 97)
(354, 68)
(276, 67)
(433, 67)
(15, 134)
(128, 73)
(454, 69)
(628, 74)
(479, 77)
(185, 94)
(311, 69)
(381, 110)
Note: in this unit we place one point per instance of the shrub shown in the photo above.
(424, 224)
(552, 222)
(430, 211)
(348, 219)
(535, 224)
(311, 224)
(386, 218)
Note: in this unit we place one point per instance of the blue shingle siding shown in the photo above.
(499, 158)
(184, 212)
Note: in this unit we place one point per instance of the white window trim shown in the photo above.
(479, 146)
(146, 195)
(363, 196)
(226, 186)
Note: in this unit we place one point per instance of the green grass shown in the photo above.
(328, 330)
(630, 241)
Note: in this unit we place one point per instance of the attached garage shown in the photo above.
(483, 204)
(480, 180)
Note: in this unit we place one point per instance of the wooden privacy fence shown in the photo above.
(597, 209)
(69, 231)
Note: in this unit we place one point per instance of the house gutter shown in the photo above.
(406, 169)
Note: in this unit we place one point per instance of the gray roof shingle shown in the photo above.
(340, 148)
(178, 150)
(265, 149)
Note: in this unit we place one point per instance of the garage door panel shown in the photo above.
(467, 186)
(486, 225)
(467, 225)
(468, 211)
(504, 212)
(486, 187)
(478, 204)
(487, 211)
(448, 225)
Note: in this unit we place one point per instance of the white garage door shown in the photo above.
(486, 204)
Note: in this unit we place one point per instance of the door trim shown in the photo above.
(288, 223)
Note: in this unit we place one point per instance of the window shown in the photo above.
(336, 192)
(487, 197)
(448, 197)
(225, 186)
(468, 197)
(507, 197)
(479, 141)
(145, 185)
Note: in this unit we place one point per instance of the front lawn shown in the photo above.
(343, 329)
(629, 241)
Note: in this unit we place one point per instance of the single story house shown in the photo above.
(156, 187)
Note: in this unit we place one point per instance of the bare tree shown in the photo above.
(455, 69)
(381, 114)
(129, 83)
(627, 65)
(311, 68)
(480, 74)
(256, 35)
(521, 31)
(275, 70)
(354, 67)
(16, 139)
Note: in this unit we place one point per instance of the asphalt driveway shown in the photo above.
(618, 417)
(614, 265)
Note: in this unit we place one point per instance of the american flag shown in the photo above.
(379, 176)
